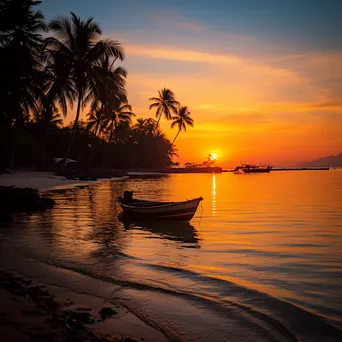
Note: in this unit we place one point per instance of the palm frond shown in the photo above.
(156, 99)
(154, 105)
(173, 124)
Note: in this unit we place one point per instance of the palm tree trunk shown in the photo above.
(157, 123)
(111, 131)
(175, 138)
(68, 151)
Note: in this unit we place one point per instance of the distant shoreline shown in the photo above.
(302, 169)
(49, 180)
(220, 170)
(294, 169)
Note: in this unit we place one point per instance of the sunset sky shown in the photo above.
(262, 78)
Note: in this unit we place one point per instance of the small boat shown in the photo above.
(253, 168)
(178, 211)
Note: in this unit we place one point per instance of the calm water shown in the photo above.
(261, 260)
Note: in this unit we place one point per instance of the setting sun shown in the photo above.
(213, 156)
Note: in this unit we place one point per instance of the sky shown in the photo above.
(262, 78)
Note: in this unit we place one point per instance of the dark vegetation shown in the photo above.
(48, 69)
(208, 163)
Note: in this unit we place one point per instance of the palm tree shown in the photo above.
(59, 91)
(109, 95)
(108, 85)
(145, 126)
(95, 122)
(119, 112)
(21, 50)
(79, 42)
(181, 120)
(140, 125)
(21, 44)
(165, 104)
(59, 87)
(172, 152)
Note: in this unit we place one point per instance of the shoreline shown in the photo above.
(47, 303)
(44, 181)
(48, 180)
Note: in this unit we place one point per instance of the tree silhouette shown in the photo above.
(120, 112)
(79, 42)
(165, 104)
(181, 120)
(43, 77)
(21, 46)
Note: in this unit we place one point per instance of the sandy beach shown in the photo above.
(36, 180)
(40, 180)
(42, 303)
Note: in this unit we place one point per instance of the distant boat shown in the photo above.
(178, 211)
(253, 168)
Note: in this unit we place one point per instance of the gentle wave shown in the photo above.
(250, 309)
(244, 269)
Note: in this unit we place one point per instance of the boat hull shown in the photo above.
(173, 211)
(253, 168)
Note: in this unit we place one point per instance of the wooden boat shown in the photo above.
(253, 168)
(178, 211)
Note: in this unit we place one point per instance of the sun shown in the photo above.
(213, 156)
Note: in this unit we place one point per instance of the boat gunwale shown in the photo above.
(159, 204)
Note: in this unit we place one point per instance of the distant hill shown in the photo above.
(332, 161)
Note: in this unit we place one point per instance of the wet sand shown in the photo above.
(31, 310)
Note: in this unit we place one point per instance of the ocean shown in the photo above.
(260, 261)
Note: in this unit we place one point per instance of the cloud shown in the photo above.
(246, 94)
(169, 53)
(197, 56)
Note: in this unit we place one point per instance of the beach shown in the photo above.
(48, 310)
(37, 302)
(37, 180)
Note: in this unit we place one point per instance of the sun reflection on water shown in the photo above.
(213, 199)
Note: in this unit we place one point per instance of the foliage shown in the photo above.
(165, 104)
(207, 163)
(77, 42)
(181, 120)
(43, 77)
(21, 44)
(191, 165)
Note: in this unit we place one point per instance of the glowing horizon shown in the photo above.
(257, 90)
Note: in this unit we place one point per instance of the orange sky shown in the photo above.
(250, 109)
(252, 98)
